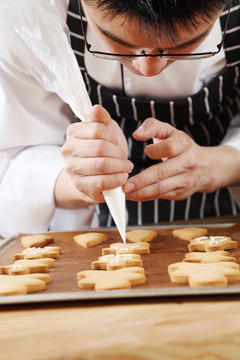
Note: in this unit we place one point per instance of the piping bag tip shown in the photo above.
(115, 199)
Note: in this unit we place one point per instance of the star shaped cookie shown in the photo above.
(118, 261)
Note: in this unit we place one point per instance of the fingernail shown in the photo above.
(139, 130)
(129, 187)
(131, 166)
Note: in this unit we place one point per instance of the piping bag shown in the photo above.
(44, 48)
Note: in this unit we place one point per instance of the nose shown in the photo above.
(150, 66)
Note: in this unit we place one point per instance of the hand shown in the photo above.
(95, 156)
(186, 168)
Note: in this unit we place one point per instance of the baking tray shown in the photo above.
(165, 250)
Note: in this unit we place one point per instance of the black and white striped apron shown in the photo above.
(205, 116)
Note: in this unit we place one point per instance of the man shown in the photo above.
(149, 82)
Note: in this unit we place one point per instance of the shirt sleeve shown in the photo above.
(33, 125)
(232, 138)
(27, 188)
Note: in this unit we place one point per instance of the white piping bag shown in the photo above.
(45, 50)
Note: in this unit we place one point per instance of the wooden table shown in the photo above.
(202, 328)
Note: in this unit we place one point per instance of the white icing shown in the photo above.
(110, 258)
(212, 239)
(18, 267)
(201, 239)
(217, 239)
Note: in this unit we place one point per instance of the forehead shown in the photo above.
(131, 31)
(157, 16)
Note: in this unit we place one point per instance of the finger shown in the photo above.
(156, 173)
(90, 130)
(94, 185)
(92, 148)
(98, 166)
(151, 128)
(167, 189)
(176, 144)
(99, 114)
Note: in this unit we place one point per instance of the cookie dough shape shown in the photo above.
(90, 239)
(212, 243)
(111, 280)
(38, 253)
(119, 261)
(21, 267)
(36, 240)
(211, 274)
(140, 235)
(209, 257)
(189, 233)
(120, 248)
(22, 285)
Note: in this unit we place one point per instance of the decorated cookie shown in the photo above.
(115, 262)
(212, 243)
(38, 253)
(211, 274)
(208, 257)
(90, 239)
(139, 235)
(120, 248)
(22, 285)
(21, 267)
(36, 240)
(189, 233)
(111, 280)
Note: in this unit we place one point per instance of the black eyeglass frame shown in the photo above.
(127, 57)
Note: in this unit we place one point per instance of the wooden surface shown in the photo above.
(175, 328)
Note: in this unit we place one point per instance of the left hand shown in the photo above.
(186, 167)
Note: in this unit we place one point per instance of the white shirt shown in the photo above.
(33, 124)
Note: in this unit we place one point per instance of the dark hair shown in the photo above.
(161, 14)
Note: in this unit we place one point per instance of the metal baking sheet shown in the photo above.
(165, 249)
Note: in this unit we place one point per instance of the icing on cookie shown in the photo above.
(126, 248)
(213, 239)
(111, 258)
(217, 239)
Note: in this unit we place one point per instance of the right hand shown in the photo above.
(96, 155)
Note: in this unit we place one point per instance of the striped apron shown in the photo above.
(205, 116)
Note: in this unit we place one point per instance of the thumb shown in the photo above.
(99, 114)
(153, 128)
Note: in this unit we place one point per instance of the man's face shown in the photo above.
(121, 36)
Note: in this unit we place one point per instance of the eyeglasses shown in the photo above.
(144, 55)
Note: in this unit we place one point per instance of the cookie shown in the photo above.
(22, 285)
(212, 243)
(140, 235)
(211, 274)
(120, 248)
(36, 240)
(115, 262)
(209, 257)
(21, 267)
(90, 239)
(38, 253)
(111, 280)
(189, 233)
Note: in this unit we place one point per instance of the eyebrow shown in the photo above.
(119, 41)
